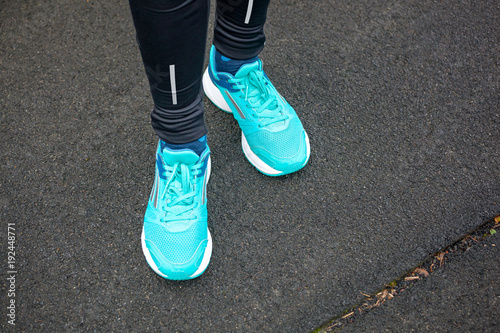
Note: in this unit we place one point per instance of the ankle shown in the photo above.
(198, 146)
(228, 65)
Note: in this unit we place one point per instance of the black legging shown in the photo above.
(171, 35)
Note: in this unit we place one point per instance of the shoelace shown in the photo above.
(180, 190)
(260, 98)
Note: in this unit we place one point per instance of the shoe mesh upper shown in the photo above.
(177, 231)
(177, 247)
(282, 144)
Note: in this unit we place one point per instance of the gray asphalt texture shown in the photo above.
(400, 101)
(463, 296)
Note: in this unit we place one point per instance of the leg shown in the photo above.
(273, 138)
(239, 27)
(171, 35)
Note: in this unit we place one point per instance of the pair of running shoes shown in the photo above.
(175, 238)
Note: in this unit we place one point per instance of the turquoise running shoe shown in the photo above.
(273, 138)
(175, 238)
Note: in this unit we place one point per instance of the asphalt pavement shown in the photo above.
(463, 296)
(401, 103)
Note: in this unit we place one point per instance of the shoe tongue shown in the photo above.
(185, 156)
(247, 68)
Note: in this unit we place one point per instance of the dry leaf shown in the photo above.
(497, 219)
(422, 271)
(440, 257)
(364, 294)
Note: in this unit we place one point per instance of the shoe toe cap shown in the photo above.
(177, 255)
(288, 156)
(160, 263)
